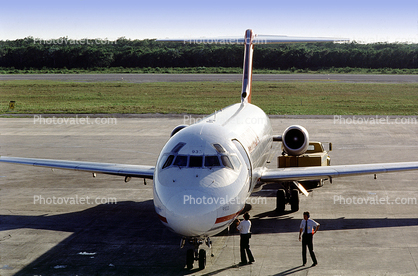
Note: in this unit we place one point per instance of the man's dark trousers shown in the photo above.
(245, 246)
(307, 241)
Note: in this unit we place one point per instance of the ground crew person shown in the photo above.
(308, 227)
(244, 228)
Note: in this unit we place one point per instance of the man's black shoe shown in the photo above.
(241, 263)
(314, 264)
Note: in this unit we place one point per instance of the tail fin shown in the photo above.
(249, 41)
(247, 76)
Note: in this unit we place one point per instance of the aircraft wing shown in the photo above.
(313, 173)
(93, 167)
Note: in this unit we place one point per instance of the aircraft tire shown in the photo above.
(202, 259)
(190, 258)
(294, 200)
(280, 200)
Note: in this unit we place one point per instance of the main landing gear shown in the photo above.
(196, 254)
(287, 195)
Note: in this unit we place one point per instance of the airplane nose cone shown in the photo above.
(190, 214)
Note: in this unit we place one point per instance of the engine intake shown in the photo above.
(177, 129)
(295, 140)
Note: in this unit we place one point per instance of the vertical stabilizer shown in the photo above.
(248, 67)
(249, 41)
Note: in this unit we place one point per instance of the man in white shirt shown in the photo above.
(244, 228)
(308, 227)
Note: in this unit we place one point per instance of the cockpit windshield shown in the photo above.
(181, 161)
(178, 147)
(168, 161)
(195, 161)
(222, 159)
(212, 161)
(226, 162)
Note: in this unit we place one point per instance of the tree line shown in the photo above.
(94, 53)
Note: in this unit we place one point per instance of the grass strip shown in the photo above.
(293, 98)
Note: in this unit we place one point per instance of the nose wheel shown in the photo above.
(196, 254)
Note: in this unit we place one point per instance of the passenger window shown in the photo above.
(181, 161)
(226, 162)
(196, 161)
(212, 161)
(168, 161)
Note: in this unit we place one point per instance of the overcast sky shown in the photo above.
(364, 21)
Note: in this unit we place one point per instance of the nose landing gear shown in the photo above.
(196, 254)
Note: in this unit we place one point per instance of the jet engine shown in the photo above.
(295, 140)
(177, 129)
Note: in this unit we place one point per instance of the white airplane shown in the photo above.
(206, 171)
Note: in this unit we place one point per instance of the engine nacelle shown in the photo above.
(295, 140)
(177, 129)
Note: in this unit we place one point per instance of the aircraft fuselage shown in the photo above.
(206, 172)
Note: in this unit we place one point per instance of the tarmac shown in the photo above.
(56, 222)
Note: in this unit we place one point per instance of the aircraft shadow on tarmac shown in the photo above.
(285, 223)
(128, 239)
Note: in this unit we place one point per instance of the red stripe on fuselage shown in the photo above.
(226, 218)
(163, 219)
